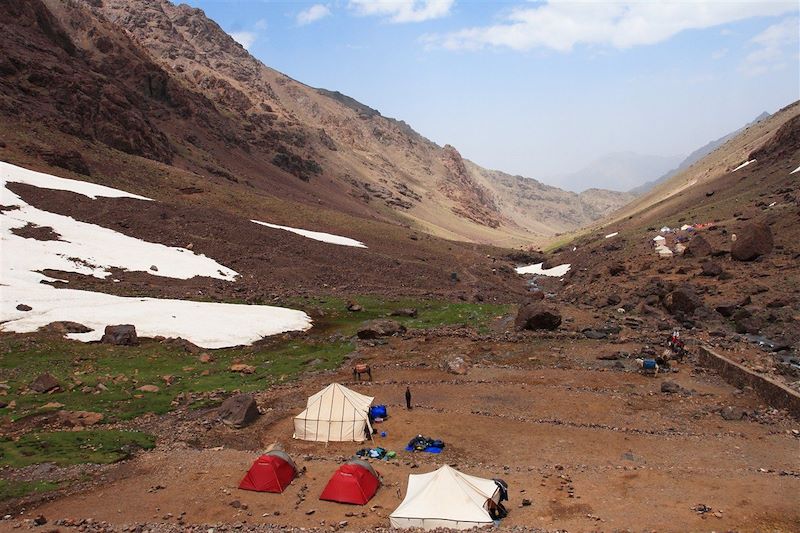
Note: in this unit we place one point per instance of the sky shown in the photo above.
(537, 88)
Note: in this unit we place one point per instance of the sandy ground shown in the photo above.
(632, 456)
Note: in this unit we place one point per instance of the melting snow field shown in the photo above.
(91, 250)
(317, 235)
(556, 271)
(744, 165)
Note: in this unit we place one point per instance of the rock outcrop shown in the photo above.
(752, 241)
(538, 316)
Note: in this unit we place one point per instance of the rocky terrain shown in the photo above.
(174, 88)
(534, 379)
(738, 278)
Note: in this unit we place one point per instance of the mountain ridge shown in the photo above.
(370, 164)
(697, 155)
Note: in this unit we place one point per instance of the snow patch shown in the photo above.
(317, 235)
(795, 170)
(207, 324)
(744, 165)
(612, 235)
(13, 173)
(91, 250)
(556, 271)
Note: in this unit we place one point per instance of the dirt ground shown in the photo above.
(595, 448)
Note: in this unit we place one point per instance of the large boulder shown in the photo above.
(698, 247)
(726, 309)
(238, 411)
(753, 241)
(538, 316)
(120, 335)
(710, 268)
(682, 300)
(372, 329)
(746, 322)
(45, 383)
(455, 365)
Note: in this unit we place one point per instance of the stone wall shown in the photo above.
(773, 393)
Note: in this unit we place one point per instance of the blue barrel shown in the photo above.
(649, 364)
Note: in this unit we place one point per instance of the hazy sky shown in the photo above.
(537, 88)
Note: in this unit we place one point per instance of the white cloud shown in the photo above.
(261, 24)
(313, 14)
(719, 54)
(772, 46)
(403, 10)
(245, 38)
(561, 25)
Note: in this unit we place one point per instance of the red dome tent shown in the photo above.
(272, 472)
(354, 482)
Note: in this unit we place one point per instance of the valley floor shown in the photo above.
(595, 447)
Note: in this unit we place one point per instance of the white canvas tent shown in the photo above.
(335, 413)
(445, 498)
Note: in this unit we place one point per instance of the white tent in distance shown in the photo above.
(445, 498)
(335, 413)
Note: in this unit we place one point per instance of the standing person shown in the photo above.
(408, 398)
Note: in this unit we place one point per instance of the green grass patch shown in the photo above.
(10, 490)
(72, 447)
(431, 313)
(121, 370)
(81, 368)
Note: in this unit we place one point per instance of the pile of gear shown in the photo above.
(376, 453)
(425, 444)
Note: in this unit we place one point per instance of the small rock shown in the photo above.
(732, 413)
(372, 329)
(406, 311)
(455, 365)
(526, 502)
(148, 388)
(670, 387)
(23, 307)
(45, 383)
(242, 368)
(206, 358)
(354, 307)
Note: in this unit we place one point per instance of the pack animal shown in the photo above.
(361, 368)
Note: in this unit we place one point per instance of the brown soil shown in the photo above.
(543, 414)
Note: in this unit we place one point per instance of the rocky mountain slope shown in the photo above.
(697, 155)
(166, 83)
(732, 273)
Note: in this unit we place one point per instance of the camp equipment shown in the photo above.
(446, 498)
(335, 413)
(272, 472)
(355, 482)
